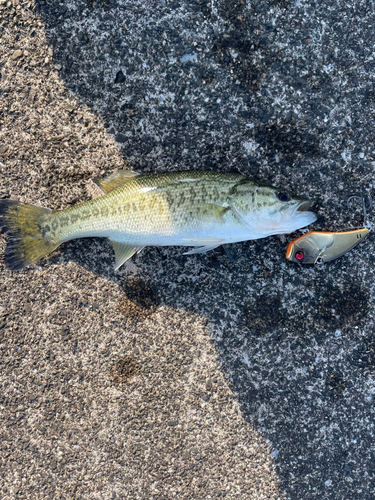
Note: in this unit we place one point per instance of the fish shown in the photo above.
(323, 246)
(191, 209)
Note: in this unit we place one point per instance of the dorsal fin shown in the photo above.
(112, 181)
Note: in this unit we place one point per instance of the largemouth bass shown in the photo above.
(198, 209)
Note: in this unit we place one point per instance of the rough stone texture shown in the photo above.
(188, 377)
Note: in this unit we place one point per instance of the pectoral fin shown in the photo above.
(204, 249)
(115, 180)
(228, 249)
(123, 252)
(202, 244)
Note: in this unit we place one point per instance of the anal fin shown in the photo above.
(123, 252)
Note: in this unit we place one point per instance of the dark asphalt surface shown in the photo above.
(279, 90)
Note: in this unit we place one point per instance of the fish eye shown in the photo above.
(283, 196)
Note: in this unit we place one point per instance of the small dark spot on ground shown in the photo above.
(343, 307)
(124, 369)
(291, 140)
(246, 72)
(264, 316)
(335, 384)
(140, 300)
(139, 292)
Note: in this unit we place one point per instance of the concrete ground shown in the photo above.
(189, 377)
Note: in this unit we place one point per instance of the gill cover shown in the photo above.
(265, 212)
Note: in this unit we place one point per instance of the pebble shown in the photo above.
(16, 54)
(188, 57)
(120, 77)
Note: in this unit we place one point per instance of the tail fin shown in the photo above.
(27, 239)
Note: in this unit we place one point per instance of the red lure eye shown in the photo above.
(299, 255)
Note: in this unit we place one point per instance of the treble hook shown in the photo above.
(367, 199)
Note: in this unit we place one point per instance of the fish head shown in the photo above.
(266, 210)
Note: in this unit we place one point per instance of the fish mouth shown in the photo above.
(302, 216)
(303, 206)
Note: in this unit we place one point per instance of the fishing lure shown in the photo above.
(318, 247)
